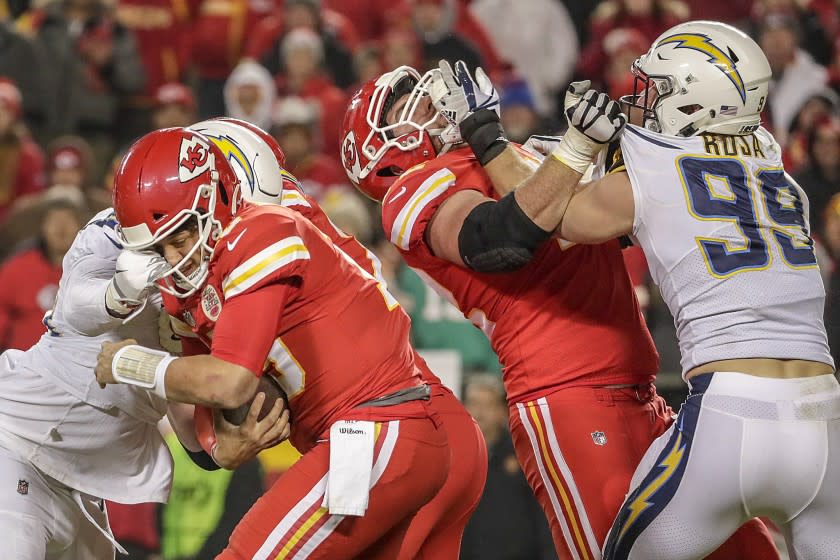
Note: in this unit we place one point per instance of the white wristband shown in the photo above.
(576, 151)
(142, 367)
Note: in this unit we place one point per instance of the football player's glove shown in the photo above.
(456, 94)
(594, 121)
(133, 280)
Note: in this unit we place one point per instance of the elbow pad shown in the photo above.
(499, 237)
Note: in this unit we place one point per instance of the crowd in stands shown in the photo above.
(110, 70)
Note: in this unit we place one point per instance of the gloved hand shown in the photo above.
(133, 280)
(595, 120)
(457, 95)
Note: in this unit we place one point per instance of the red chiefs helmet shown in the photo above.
(372, 155)
(166, 178)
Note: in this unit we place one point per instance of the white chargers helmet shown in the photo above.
(701, 76)
(254, 155)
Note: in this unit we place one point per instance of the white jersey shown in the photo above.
(53, 413)
(727, 240)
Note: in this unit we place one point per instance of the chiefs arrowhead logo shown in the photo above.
(350, 157)
(349, 152)
(195, 158)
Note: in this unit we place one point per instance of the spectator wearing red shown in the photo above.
(302, 52)
(219, 36)
(370, 18)
(30, 278)
(68, 163)
(819, 107)
(174, 106)
(622, 46)
(296, 129)
(649, 17)
(733, 12)
(21, 160)
(338, 38)
(162, 29)
(400, 47)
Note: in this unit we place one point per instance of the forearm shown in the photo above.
(209, 381)
(180, 417)
(508, 170)
(545, 195)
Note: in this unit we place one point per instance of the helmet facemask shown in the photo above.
(647, 92)
(175, 281)
(381, 138)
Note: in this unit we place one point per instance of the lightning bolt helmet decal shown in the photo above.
(717, 57)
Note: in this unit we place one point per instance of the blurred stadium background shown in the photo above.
(80, 79)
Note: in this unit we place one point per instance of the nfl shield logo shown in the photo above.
(600, 438)
(23, 487)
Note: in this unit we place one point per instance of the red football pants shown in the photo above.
(410, 465)
(579, 448)
(435, 533)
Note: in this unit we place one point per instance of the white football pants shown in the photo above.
(742, 447)
(42, 519)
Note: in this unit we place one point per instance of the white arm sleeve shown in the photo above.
(87, 268)
(84, 300)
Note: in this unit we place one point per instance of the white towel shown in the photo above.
(351, 461)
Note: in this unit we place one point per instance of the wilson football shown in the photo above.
(268, 385)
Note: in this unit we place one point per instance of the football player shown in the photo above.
(65, 443)
(701, 187)
(258, 161)
(578, 360)
(336, 340)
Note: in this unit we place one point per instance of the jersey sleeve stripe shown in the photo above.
(431, 188)
(293, 198)
(264, 263)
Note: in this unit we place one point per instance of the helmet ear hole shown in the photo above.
(223, 194)
(157, 216)
(689, 109)
(390, 171)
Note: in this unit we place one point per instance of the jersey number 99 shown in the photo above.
(781, 216)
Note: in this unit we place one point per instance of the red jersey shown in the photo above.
(338, 339)
(30, 283)
(295, 199)
(569, 317)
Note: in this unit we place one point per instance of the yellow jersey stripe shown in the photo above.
(431, 188)
(262, 264)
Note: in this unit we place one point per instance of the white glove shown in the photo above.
(541, 145)
(574, 92)
(594, 121)
(133, 280)
(457, 95)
